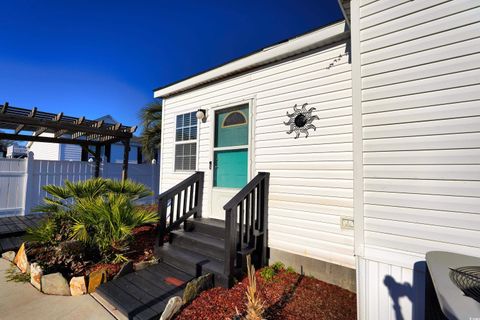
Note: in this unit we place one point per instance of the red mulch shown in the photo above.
(141, 249)
(288, 296)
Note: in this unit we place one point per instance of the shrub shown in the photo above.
(107, 222)
(98, 212)
(278, 266)
(290, 270)
(43, 234)
(267, 274)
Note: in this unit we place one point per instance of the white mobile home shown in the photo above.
(370, 130)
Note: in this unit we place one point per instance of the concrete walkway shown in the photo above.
(23, 301)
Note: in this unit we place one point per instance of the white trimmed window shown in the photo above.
(186, 142)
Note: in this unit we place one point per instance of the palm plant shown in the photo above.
(62, 198)
(107, 222)
(132, 189)
(99, 212)
(151, 116)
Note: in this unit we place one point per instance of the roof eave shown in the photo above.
(297, 45)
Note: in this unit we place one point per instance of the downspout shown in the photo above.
(358, 183)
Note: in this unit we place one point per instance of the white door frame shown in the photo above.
(251, 138)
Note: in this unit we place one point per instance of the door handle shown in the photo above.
(210, 165)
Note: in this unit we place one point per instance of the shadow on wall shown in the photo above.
(414, 292)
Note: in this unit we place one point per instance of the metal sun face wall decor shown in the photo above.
(301, 120)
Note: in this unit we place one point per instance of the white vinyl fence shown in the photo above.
(21, 180)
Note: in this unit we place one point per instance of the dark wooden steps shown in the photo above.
(190, 254)
(198, 250)
(193, 263)
(143, 295)
(212, 227)
(204, 244)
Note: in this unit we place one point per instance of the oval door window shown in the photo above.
(234, 118)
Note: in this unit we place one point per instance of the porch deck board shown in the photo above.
(13, 228)
(144, 294)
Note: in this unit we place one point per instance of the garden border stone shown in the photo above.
(9, 255)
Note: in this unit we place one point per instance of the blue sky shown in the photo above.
(101, 57)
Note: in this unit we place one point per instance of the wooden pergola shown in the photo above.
(66, 130)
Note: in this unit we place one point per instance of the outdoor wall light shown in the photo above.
(201, 114)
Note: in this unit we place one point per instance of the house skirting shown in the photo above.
(329, 272)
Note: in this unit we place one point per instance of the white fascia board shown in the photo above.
(277, 52)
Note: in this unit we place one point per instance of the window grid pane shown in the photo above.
(185, 156)
(186, 127)
(186, 153)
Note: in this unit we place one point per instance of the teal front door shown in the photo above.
(230, 155)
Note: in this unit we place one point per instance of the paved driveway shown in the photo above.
(23, 301)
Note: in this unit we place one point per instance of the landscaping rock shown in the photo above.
(78, 286)
(55, 283)
(9, 255)
(21, 259)
(173, 305)
(36, 273)
(95, 279)
(196, 286)
(126, 268)
(143, 264)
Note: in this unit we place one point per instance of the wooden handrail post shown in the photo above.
(241, 240)
(162, 211)
(265, 190)
(199, 195)
(230, 241)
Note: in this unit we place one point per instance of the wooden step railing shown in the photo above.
(246, 221)
(179, 203)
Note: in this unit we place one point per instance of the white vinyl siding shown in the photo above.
(420, 85)
(70, 152)
(311, 179)
(45, 150)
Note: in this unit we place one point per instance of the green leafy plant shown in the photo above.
(290, 270)
(107, 222)
(267, 274)
(43, 234)
(132, 189)
(98, 212)
(52, 230)
(278, 266)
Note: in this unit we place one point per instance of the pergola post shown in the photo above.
(126, 150)
(97, 161)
